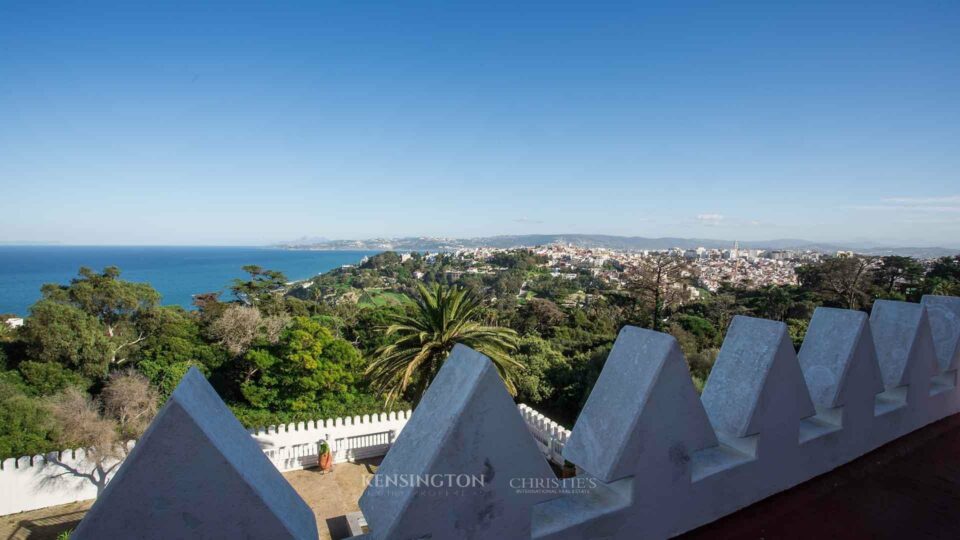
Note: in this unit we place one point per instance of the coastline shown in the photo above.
(177, 272)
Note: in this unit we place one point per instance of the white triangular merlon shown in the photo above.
(838, 358)
(756, 381)
(901, 331)
(944, 314)
(643, 412)
(197, 473)
(465, 429)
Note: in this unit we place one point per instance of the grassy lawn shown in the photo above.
(379, 298)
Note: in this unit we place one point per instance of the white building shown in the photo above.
(14, 322)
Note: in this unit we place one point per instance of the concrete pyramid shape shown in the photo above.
(944, 313)
(643, 411)
(466, 427)
(197, 473)
(756, 381)
(901, 331)
(838, 358)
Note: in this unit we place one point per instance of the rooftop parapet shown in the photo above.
(664, 461)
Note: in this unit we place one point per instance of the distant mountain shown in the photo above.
(307, 240)
(916, 252)
(603, 241)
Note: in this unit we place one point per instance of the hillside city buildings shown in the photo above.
(706, 268)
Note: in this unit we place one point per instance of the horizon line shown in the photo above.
(286, 243)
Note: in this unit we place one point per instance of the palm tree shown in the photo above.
(444, 316)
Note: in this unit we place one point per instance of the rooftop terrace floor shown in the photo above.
(330, 496)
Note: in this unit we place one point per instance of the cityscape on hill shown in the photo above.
(624, 243)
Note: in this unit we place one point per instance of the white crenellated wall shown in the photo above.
(33, 482)
(295, 446)
(550, 436)
(661, 460)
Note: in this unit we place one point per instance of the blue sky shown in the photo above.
(245, 123)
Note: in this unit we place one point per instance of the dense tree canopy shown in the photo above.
(337, 346)
(25, 424)
(307, 370)
(66, 335)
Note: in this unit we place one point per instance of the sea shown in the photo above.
(177, 273)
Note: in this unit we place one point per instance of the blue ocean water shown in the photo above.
(176, 272)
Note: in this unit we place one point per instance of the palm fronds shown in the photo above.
(443, 317)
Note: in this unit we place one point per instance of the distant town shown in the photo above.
(616, 243)
(704, 268)
(748, 268)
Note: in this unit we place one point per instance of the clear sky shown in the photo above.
(252, 122)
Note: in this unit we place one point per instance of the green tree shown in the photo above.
(382, 261)
(367, 324)
(941, 287)
(944, 277)
(658, 284)
(843, 281)
(720, 309)
(442, 317)
(539, 315)
(25, 424)
(261, 286)
(308, 370)
(67, 335)
(701, 328)
(946, 268)
(798, 331)
(774, 302)
(543, 369)
(115, 303)
(48, 378)
(174, 344)
(898, 274)
(6, 333)
(175, 335)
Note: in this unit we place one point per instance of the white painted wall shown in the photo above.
(14, 322)
(294, 446)
(550, 436)
(33, 482)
